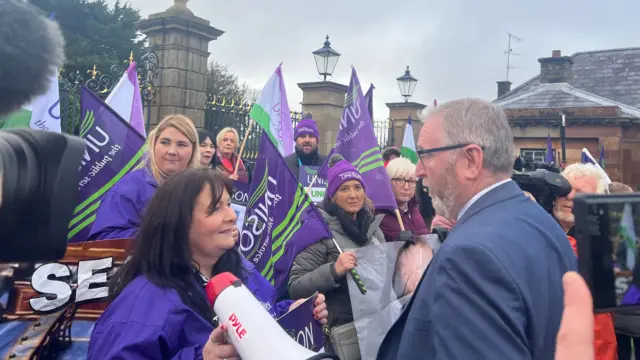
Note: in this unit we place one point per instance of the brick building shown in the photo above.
(597, 92)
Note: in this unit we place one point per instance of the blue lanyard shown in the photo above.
(299, 162)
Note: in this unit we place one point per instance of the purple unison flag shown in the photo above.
(548, 158)
(357, 143)
(323, 172)
(368, 97)
(302, 327)
(280, 219)
(113, 148)
(601, 158)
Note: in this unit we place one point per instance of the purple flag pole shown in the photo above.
(549, 155)
(281, 220)
(369, 99)
(113, 149)
(357, 143)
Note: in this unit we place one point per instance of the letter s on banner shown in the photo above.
(86, 277)
(41, 283)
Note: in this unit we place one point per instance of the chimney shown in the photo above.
(556, 69)
(503, 87)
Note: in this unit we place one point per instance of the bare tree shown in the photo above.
(251, 95)
(222, 83)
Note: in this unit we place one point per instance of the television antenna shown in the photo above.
(509, 52)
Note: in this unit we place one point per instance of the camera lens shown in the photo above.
(19, 170)
(39, 182)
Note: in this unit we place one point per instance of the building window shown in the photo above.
(535, 154)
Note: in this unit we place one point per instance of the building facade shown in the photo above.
(596, 94)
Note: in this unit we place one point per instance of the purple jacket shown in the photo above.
(411, 219)
(149, 322)
(120, 211)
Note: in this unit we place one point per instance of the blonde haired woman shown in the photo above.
(228, 142)
(173, 146)
(402, 174)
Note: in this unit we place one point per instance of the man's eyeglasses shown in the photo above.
(400, 182)
(421, 153)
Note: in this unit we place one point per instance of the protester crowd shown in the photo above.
(481, 296)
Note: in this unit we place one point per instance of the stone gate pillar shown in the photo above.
(398, 115)
(181, 40)
(325, 101)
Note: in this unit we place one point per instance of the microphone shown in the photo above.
(31, 51)
(251, 329)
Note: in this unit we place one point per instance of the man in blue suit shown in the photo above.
(494, 289)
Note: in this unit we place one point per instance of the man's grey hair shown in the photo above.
(476, 121)
(580, 170)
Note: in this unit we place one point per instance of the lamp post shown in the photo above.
(407, 84)
(326, 59)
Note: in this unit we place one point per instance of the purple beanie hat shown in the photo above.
(338, 174)
(306, 127)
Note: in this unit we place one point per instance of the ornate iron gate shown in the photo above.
(102, 84)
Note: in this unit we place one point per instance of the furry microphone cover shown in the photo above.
(31, 51)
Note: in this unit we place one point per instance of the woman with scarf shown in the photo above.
(228, 142)
(158, 307)
(173, 147)
(323, 267)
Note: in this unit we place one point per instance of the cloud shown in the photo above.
(454, 47)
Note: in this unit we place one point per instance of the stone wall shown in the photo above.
(325, 101)
(181, 40)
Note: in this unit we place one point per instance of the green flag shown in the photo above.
(409, 144)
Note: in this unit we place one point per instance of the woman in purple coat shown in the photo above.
(173, 146)
(159, 308)
(402, 174)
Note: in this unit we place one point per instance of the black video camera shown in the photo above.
(543, 181)
(38, 187)
(606, 230)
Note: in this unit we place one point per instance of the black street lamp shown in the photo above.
(407, 84)
(326, 59)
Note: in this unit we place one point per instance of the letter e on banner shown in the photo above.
(86, 277)
(41, 283)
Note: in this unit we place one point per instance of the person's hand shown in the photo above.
(234, 177)
(296, 304)
(217, 349)
(320, 312)
(320, 308)
(345, 262)
(529, 195)
(575, 337)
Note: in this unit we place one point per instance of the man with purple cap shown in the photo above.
(306, 136)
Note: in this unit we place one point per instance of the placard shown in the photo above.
(307, 176)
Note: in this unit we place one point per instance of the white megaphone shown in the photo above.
(251, 329)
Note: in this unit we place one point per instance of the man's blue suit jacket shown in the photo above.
(494, 289)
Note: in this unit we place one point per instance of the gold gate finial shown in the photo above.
(93, 72)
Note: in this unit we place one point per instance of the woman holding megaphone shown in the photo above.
(159, 309)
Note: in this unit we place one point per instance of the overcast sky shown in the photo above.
(454, 47)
